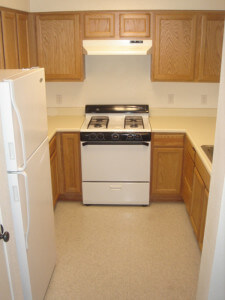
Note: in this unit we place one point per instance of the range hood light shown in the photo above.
(117, 47)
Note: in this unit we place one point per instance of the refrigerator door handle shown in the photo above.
(21, 129)
(24, 174)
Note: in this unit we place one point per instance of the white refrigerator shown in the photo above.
(24, 124)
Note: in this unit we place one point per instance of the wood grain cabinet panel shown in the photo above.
(10, 39)
(99, 25)
(209, 52)
(71, 165)
(135, 25)
(197, 202)
(23, 41)
(59, 46)
(166, 173)
(2, 63)
(187, 180)
(188, 173)
(174, 47)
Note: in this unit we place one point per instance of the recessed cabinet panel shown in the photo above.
(135, 25)
(210, 49)
(174, 47)
(59, 46)
(23, 41)
(10, 40)
(99, 25)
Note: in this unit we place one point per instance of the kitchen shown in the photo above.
(135, 86)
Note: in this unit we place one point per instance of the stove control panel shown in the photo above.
(115, 136)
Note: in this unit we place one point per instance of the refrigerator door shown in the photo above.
(32, 208)
(23, 115)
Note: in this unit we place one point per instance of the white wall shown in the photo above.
(57, 5)
(16, 4)
(126, 79)
(211, 284)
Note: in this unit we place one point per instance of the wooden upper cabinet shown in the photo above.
(2, 63)
(174, 44)
(135, 25)
(23, 41)
(59, 46)
(99, 25)
(209, 50)
(10, 39)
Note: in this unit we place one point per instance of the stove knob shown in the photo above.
(92, 137)
(130, 137)
(100, 136)
(115, 136)
(137, 137)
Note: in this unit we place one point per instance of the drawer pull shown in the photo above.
(115, 187)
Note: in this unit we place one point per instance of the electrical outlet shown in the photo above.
(204, 99)
(59, 99)
(171, 98)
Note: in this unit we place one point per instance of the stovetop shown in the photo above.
(116, 118)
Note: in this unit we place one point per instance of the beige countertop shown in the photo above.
(200, 130)
(64, 123)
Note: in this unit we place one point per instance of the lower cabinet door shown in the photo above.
(54, 176)
(197, 202)
(115, 193)
(203, 218)
(166, 173)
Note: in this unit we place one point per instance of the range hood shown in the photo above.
(117, 47)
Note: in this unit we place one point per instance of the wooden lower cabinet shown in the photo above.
(167, 161)
(197, 201)
(70, 175)
(54, 170)
(199, 207)
(188, 173)
(203, 218)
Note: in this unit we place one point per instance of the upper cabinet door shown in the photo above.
(59, 46)
(135, 25)
(209, 51)
(23, 41)
(99, 25)
(2, 62)
(10, 40)
(174, 44)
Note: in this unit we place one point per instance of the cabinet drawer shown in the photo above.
(168, 140)
(52, 145)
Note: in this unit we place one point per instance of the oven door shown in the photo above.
(115, 162)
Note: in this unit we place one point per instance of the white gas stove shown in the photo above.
(115, 155)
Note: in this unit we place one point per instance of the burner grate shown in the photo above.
(98, 122)
(133, 122)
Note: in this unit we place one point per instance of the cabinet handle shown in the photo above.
(4, 235)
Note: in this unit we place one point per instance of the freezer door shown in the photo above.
(23, 115)
(32, 205)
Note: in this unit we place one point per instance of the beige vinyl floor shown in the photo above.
(124, 253)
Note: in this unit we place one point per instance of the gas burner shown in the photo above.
(133, 122)
(98, 122)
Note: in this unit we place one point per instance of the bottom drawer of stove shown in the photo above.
(113, 193)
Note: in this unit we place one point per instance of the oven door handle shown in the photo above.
(116, 143)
